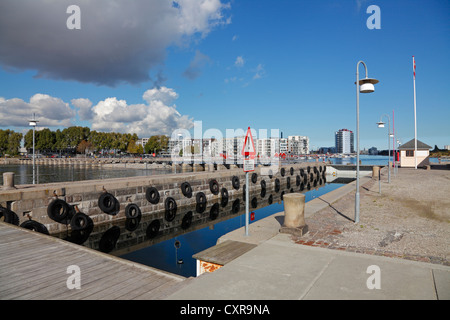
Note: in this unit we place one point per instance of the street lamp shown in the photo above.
(33, 123)
(364, 86)
(381, 125)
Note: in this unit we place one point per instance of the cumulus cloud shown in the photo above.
(50, 111)
(119, 41)
(84, 108)
(158, 116)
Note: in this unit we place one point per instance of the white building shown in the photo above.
(344, 141)
(298, 145)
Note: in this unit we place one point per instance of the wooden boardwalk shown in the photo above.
(34, 266)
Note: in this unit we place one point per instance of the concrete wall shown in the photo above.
(34, 200)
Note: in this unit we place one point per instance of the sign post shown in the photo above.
(249, 152)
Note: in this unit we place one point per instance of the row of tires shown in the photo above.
(11, 217)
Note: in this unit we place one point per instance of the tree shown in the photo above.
(84, 146)
(132, 147)
(14, 143)
(157, 144)
(10, 142)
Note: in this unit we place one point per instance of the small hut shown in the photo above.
(407, 158)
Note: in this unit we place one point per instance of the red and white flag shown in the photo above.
(414, 66)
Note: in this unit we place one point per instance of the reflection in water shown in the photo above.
(150, 238)
(62, 173)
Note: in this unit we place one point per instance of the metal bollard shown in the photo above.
(294, 214)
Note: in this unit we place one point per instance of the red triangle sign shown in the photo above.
(248, 149)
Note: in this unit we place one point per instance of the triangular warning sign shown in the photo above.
(248, 149)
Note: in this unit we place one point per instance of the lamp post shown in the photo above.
(364, 86)
(381, 125)
(33, 123)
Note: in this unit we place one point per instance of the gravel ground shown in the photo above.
(410, 219)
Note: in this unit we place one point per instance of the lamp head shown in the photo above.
(367, 85)
(380, 124)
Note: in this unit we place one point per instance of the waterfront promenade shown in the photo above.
(404, 232)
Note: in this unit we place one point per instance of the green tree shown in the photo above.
(14, 140)
(157, 144)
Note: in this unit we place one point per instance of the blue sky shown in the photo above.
(287, 65)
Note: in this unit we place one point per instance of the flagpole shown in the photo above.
(415, 117)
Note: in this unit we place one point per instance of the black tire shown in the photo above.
(308, 169)
(291, 171)
(263, 184)
(254, 202)
(236, 206)
(214, 187)
(282, 172)
(171, 209)
(200, 207)
(277, 185)
(58, 210)
(186, 189)
(315, 170)
(302, 186)
(132, 211)
(288, 182)
(282, 194)
(9, 216)
(235, 182)
(186, 221)
(263, 192)
(34, 226)
(153, 229)
(107, 202)
(254, 177)
(270, 174)
(109, 239)
(302, 172)
(80, 221)
(214, 211)
(270, 199)
(152, 195)
(224, 197)
(132, 224)
(200, 198)
(80, 236)
(297, 180)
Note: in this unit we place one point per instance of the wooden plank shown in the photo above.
(224, 252)
(34, 266)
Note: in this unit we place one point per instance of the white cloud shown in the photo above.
(157, 116)
(259, 72)
(239, 62)
(49, 111)
(84, 105)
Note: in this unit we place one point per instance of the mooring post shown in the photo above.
(8, 181)
(294, 214)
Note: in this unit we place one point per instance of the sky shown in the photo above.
(156, 66)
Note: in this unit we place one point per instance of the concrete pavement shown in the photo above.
(280, 269)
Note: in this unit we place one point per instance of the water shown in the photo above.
(52, 173)
(165, 256)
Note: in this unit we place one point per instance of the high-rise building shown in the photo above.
(344, 141)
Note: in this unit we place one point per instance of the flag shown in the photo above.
(414, 65)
